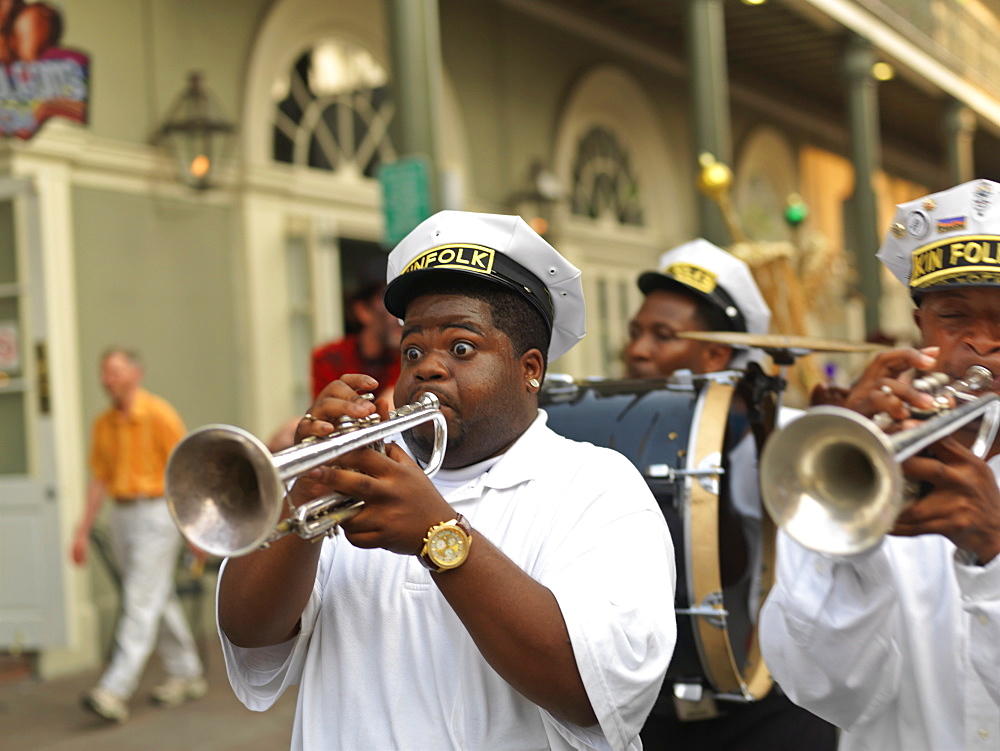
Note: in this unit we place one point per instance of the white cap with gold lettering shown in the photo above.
(718, 277)
(946, 239)
(498, 248)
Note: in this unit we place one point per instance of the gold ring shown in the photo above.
(309, 417)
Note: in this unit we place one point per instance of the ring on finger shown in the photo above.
(886, 389)
(309, 417)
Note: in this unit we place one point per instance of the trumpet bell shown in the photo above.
(220, 484)
(832, 481)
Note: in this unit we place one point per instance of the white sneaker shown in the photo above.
(103, 703)
(175, 691)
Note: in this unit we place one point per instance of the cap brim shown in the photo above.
(404, 289)
(652, 280)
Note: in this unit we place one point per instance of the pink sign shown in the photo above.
(38, 78)
(10, 348)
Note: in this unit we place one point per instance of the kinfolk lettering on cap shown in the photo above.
(463, 257)
(971, 260)
(701, 279)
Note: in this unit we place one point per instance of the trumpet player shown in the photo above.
(522, 597)
(899, 645)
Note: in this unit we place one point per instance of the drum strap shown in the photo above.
(706, 583)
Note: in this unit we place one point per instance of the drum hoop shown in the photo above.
(703, 569)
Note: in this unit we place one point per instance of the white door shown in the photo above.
(31, 588)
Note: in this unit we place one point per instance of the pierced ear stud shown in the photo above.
(534, 383)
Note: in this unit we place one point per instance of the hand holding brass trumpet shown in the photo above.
(832, 478)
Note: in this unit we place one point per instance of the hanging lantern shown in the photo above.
(196, 133)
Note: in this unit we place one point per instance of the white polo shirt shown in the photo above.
(384, 662)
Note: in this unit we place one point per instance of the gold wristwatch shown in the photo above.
(447, 545)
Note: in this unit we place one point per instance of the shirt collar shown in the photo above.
(140, 408)
(524, 460)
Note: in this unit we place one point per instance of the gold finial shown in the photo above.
(715, 178)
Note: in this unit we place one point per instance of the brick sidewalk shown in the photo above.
(46, 715)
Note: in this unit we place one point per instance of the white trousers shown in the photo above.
(146, 544)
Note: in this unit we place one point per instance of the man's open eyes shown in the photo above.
(459, 349)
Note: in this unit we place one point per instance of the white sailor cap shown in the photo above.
(717, 276)
(946, 239)
(502, 249)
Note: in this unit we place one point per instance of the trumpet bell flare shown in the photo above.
(223, 491)
(831, 481)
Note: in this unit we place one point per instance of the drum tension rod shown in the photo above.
(668, 473)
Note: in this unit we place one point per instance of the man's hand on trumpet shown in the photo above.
(343, 398)
(885, 386)
(401, 503)
(963, 503)
(960, 499)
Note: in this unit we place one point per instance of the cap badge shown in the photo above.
(917, 224)
(463, 257)
(700, 279)
(982, 198)
(951, 224)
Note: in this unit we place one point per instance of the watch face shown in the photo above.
(447, 547)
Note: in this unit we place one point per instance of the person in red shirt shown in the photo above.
(373, 349)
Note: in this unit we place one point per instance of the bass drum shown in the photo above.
(685, 436)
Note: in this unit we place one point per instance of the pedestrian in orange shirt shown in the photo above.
(130, 445)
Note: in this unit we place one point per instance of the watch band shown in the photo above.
(463, 524)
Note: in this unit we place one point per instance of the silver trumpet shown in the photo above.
(226, 491)
(832, 479)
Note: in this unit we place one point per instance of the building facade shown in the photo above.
(588, 117)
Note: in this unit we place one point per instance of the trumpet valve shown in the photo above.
(977, 379)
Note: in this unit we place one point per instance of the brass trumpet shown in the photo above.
(831, 479)
(226, 491)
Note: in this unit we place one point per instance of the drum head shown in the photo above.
(679, 436)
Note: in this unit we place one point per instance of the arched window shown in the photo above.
(626, 203)
(604, 183)
(332, 110)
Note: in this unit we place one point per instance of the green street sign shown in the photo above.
(406, 195)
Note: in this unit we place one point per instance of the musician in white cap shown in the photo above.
(699, 286)
(545, 618)
(899, 645)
